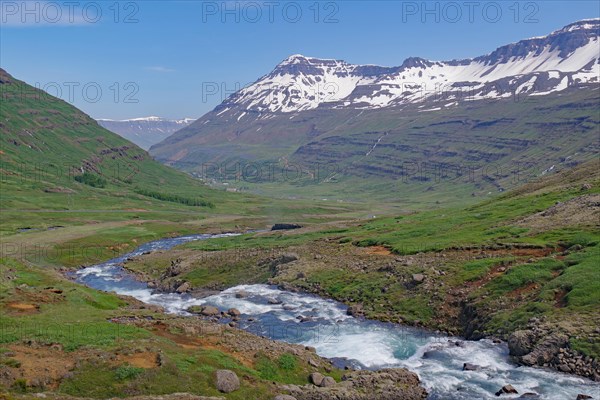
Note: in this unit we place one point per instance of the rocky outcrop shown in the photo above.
(389, 384)
(521, 343)
(537, 347)
(272, 263)
(545, 350)
(207, 311)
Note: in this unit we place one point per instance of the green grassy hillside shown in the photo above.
(67, 183)
(54, 156)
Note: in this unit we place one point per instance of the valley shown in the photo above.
(331, 231)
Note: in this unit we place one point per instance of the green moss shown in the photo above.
(476, 270)
(92, 380)
(287, 362)
(285, 368)
(587, 347)
(522, 275)
(10, 362)
(581, 279)
(126, 372)
(91, 180)
(415, 308)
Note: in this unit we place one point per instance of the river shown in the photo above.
(360, 343)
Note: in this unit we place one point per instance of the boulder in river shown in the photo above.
(227, 381)
(583, 397)
(507, 389)
(234, 312)
(241, 294)
(470, 367)
(209, 311)
(184, 287)
(356, 310)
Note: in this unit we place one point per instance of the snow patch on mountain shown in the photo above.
(540, 66)
(145, 131)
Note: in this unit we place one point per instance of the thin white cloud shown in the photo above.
(159, 68)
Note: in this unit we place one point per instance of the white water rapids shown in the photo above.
(271, 312)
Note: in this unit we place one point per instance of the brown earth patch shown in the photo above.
(27, 301)
(184, 341)
(22, 308)
(44, 366)
(560, 299)
(206, 342)
(378, 250)
(524, 290)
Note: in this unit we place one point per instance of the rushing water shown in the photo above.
(323, 324)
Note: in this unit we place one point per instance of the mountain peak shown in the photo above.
(583, 25)
(301, 59)
(294, 59)
(416, 62)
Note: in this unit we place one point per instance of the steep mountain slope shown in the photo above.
(55, 158)
(145, 132)
(530, 104)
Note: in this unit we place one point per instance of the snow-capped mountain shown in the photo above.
(146, 131)
(537, 66)
(516, 103)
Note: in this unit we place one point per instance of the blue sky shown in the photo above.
(138, 58)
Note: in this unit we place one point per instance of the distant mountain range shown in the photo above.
(147, 131)
(368, 120)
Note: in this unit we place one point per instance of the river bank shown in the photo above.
(371, 280)
(436, 354)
